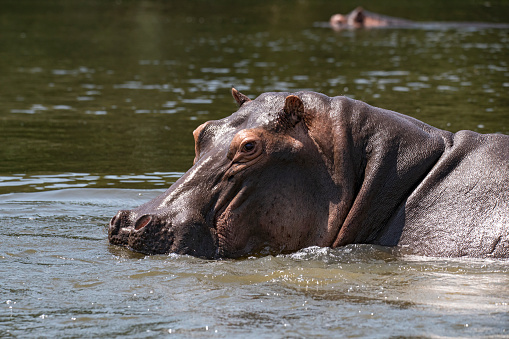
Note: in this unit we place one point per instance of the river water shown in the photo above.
(98, 100)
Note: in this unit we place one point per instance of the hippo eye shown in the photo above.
(248, 146)
(245, 147)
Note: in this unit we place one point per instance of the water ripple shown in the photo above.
(24, 182)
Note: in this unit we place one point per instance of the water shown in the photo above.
(98, 100)
(61, 278)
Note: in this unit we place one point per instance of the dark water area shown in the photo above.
(98, 100)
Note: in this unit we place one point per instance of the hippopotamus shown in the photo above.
(359, 18)
(288, 171)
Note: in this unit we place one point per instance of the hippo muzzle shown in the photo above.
(150, 233)
(146, 234)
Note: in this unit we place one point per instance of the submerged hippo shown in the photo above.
(359, 18)
(288, 171)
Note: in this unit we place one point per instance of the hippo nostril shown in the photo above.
(113, 221)
(117, 222)
(142, 222)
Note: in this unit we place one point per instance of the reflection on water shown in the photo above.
(23, 183)
(97, 104)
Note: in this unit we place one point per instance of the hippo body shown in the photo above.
(360, 18)
(289, 171)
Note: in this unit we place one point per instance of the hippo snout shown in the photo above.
(146, 233)
(119, 229)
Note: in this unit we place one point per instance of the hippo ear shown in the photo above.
(358, 16)
(294, 109)
(239, 97)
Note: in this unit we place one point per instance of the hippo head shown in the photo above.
(354, 19)
(258, 185)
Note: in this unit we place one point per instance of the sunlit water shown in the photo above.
(97, 104)
(61, 278)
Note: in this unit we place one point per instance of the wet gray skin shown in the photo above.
(288, 171)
